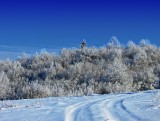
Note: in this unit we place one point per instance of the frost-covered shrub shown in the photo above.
(144, 80)
(4, 85)
(75, 72)
(118, 74)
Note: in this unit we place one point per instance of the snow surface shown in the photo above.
(112, 107)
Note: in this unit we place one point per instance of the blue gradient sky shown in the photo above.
(58, 24)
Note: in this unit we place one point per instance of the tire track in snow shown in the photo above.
(116, 107)
(89, 111)
(86, 110)
(108, 109)
(83, 113)
(71, 113)
(117, 111)
(106, 114)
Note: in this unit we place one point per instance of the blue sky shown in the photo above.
(64, 23)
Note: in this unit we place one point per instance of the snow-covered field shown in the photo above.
(140, 106)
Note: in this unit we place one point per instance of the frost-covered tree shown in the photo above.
(4, 86)
(119, 75)
(75, 72)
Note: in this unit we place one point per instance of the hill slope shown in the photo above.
(112, 107)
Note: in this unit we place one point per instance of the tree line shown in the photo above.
(77, 72)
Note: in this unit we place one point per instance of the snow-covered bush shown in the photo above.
(145, 79)
(4, 85)
(118, 74)
(75, 72)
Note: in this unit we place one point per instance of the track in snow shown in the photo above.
(108, 109)
(112, 107)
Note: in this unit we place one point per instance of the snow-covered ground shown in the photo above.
(140, 106)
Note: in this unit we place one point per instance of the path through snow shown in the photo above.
(112, 107)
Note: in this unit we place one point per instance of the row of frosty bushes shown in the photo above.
(76, 72)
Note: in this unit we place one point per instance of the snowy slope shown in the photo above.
(113, 107)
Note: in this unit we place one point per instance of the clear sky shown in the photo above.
(58, 24)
